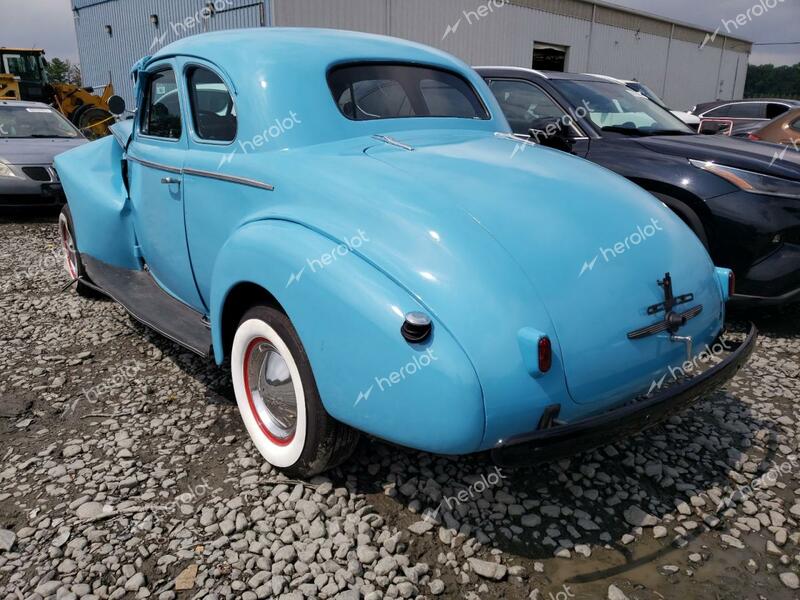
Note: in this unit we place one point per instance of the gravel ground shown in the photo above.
(126, 473)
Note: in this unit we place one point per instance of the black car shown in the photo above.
(740, 117)
(742, 199)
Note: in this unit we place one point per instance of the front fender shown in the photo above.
(348, 315)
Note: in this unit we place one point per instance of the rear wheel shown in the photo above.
(72, 258)
(278, 398)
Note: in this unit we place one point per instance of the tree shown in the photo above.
(769, 81)
(63, 71)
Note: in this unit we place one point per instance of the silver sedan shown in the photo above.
(31, 135)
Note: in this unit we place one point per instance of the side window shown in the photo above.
(776, 110)
(213, 112)
(718, 113)
(525, 105)
(748, 110)
(162, 116)
(795, 125)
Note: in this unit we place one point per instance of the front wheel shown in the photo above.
(72, 258)
(278, 397)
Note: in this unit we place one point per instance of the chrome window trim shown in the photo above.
(201, 173)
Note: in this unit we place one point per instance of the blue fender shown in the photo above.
(426, 396)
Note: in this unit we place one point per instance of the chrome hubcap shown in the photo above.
(70, 254)
(271, 388)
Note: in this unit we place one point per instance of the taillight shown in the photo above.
(753, 137)
(545, 354)
(731, 284)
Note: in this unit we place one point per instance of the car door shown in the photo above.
(528, 107)
(156, 156)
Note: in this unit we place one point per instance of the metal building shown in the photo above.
(682, 63)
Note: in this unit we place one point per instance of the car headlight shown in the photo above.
(755, 183)
(5, 170)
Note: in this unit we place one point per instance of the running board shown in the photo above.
(145, 301)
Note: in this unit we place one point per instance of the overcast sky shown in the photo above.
(49, 24)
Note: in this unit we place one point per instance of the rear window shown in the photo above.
(395, 91)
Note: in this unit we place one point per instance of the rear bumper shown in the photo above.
(557, 442)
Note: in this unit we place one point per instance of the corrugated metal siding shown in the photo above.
(566, 8)
(623, 44)
(627, 54)
(135, 36)
(692, 74)
(631, 21)
(371, 16)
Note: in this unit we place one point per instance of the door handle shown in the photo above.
(170, 180)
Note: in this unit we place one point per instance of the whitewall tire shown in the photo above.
(278, 398)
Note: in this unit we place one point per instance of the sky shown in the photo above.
(49, 24)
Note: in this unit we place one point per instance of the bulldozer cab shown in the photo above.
(23, 75)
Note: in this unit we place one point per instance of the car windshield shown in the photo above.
(34, 122)
(616, 108)
(392, 91)
(643, 89)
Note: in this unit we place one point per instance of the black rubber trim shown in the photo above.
(566, 440)
(139, 294)
(741, 300)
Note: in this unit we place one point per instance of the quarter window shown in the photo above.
(163, 108)
(213, 111)
(776, 110)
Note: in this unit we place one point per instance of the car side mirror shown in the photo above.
(116, 105)
(553, 133)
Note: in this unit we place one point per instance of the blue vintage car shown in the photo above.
(348, 219)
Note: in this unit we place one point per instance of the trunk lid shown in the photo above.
(592, 244)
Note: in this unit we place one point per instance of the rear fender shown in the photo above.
(348, 315)
(92, 179)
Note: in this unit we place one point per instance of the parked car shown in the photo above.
(688, 118)
(31, 135)
(784, 130)
(738, 199)
(738, 118)
(353, 236)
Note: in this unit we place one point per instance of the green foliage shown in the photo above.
(769, 81)
(63, 71)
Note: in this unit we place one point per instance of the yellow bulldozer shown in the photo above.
(23, 76)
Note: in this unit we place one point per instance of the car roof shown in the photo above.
(284, 72)
(716, 103)
(554, 75)
(24, 104)
(261, 46)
